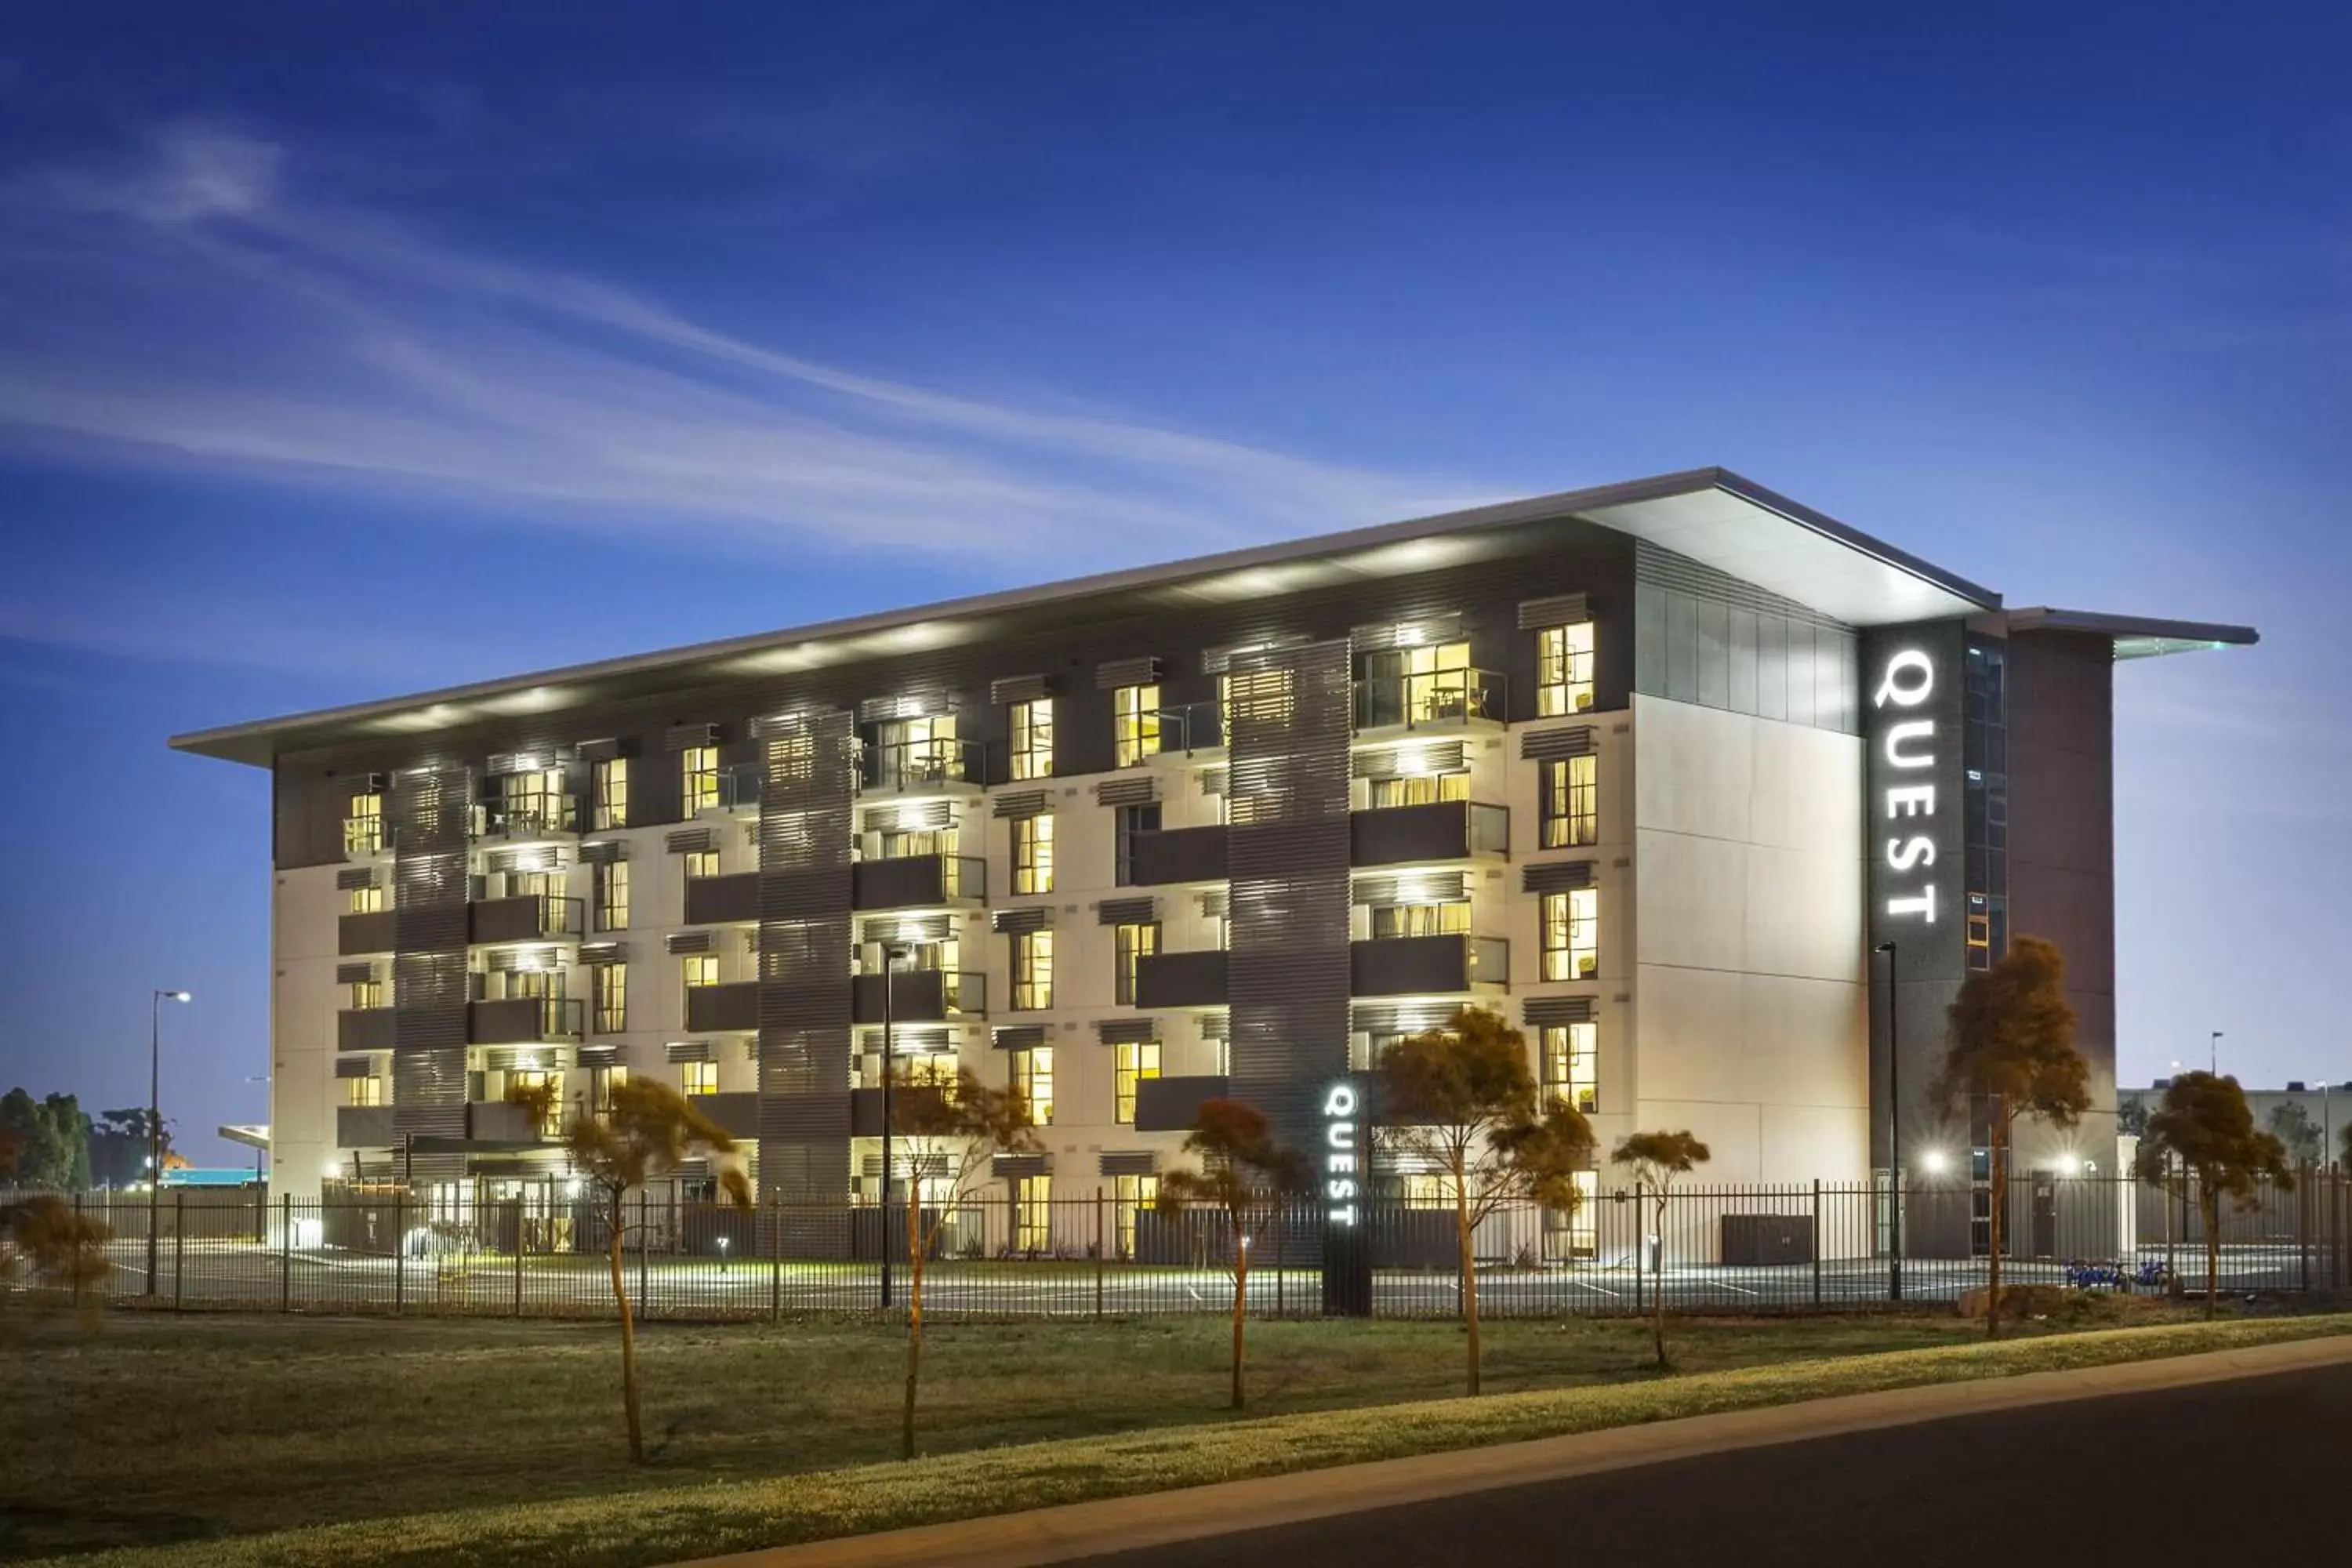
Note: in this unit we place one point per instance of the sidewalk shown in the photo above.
(1119, 1524)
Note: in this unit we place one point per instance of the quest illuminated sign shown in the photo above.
(1907, 744)
(1342, 1140)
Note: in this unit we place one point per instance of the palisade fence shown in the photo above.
(1748, 1248)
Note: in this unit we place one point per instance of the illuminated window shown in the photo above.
(1133, 1195)
(363, 829)
(1136, 1062)
(1130, 943)
(551, 1123)
(1426, 1190)
(1572, 934)
(701, 863)
(610, 788)
(1032, 853)
(611, 988)
(1033, 970)
(602, 1082)
(1032, 1213)
(1032, 1075)
(1135, 724)
(1571, 807)
(612, 896)
(1128, 824)
(1032, 730)
(1425, 685)
(1425, 789)
(698, 1078)
(1449, 918)
(535, 802)
(1570, 1065)
(1576, 1233)
(701, 968)
(698, 778)
(364, 1090)
(918, 752)
(1564, 669)
(367, 993)
(367, 900)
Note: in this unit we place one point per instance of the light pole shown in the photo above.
(892, 952)
(1894, 1135)
(2326, 1129)
(2213, 1054)
(156, 1118)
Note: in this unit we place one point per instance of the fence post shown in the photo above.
(1641, 1251)
(179, 1245)
(78, 1235)
(1099, 1254)
(286, 1255)
(775, 1261)
(1817, 1241)
(2303, 1226)
(518, 1258)
(399, 1252)
(642, 1240)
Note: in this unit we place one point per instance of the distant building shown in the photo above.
(2327, 1107)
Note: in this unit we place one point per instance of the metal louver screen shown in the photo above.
(1022, 803)
(1033, 919)
(687, 1051)
(1556, 877)
(354, 973)
(923, 816)
(596, 952)
(684, 737)
(1020, 1164)
(911, 1040)
(1118, 672)
(527, 960)
(1417, 633)
(1551, 1011)
(605, 853)
(907, 928)
(1127, 911)
(691, 841)
(600, 751)
(1412, 887)
(1561, 610)
(1128, 791)
(1127, 1162)
(1219, 660)
(921, 703)
(690, 941)
(1289, 730)
(355, 1067)
(1215, 780)
(1016, 689)
(431, 810)
(1127, 1031)
(1216, 903)
(1402, 1017)
(598, 1056)
(355, 876)
(1550, 745)
(1217, 1024)
(1427, 759)
(1018, 1036)
(806, 799)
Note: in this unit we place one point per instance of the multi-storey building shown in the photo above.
(1657, 769)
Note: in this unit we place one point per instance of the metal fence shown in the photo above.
(1751, 1249)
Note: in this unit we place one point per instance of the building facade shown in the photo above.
(1660, 771)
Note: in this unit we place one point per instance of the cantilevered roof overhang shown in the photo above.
(2134, 637)
(1709, 515)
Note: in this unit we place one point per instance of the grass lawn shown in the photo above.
(150, 1431)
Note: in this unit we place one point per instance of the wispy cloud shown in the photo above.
(227, 316)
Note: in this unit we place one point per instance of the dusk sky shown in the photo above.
(347, 350)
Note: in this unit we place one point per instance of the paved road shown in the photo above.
(2211, 1473)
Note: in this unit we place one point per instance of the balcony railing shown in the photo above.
(1436, 699)
(1195, 979)
(523, 1020)
(1192, 727)
(527, 916)
(734, 1006)
(737, 789)
(1428, 965)
(1437, 831)
(1176, 855)
(921, 764)
(917, 881)
(546, 816)
(365, 836)
(729, 899)
(920, 996)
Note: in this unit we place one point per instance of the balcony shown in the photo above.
(1442, 830)
(735, 790)
(528, 917)
(1192, 727)
(503, 1121)
(1172, 1104)
(544, 818)
(718, 1009)
(364, 1127)
(737, 1112)
(1180, 980)
(364, 1030)
(1437, 700)
(922, 767)
(917, 881)
(920, 996)
(523, 1020)
(357, 936)
(365, 837)
(1427, 965)
(865, 1106)
(1177, 855)
(731, 899)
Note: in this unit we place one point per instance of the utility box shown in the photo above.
(1759, 1240)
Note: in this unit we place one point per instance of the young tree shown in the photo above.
(2297, 1134)
(66, 1248)
(1247, 1177)
(2205, 1126)
(2011, 1047)
(1657, 1158)
(1462, 1099)
(646, 1129)
(952, 1133)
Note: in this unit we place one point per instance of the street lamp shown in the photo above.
(1894, 1135)
(155, 1117)
(2326, 1129)
(2213, 1053)
(892, 952)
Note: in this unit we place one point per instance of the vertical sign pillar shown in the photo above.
(1341, 1166)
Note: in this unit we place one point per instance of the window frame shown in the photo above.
(1032, 853)
(608, 788)
(1571, 1064)
(1568, 802)
(1031, 1065)
(1566, 917)
(1130, 942)
(609, 998)
(1133, 1062)
(1033, 970)
(1571, 663)
(612, 896)
(1135, 724)
(1029, 729)
(698, 780)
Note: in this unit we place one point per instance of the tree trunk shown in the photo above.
(1240, 1300)
(2210, 1203)
(1469, 1265)
(915, 1250)
(1999, 1196)
(1658, 1279)
(628, 1336)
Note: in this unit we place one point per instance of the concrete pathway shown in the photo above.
(1123, 1524)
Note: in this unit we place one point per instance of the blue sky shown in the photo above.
(347, 351)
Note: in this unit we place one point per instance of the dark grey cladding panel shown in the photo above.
(1036, 917)
(1136, 672)
(1712, 640)
(1288, 968)
(807, 782)
(1555, 876)
(1127, 1031)
(1551, 1011)
(1018, 688)
(1127, 911)
(1022, 803)
(432, 815)
(1550, 745)
(684, 737)
(1560, 610)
